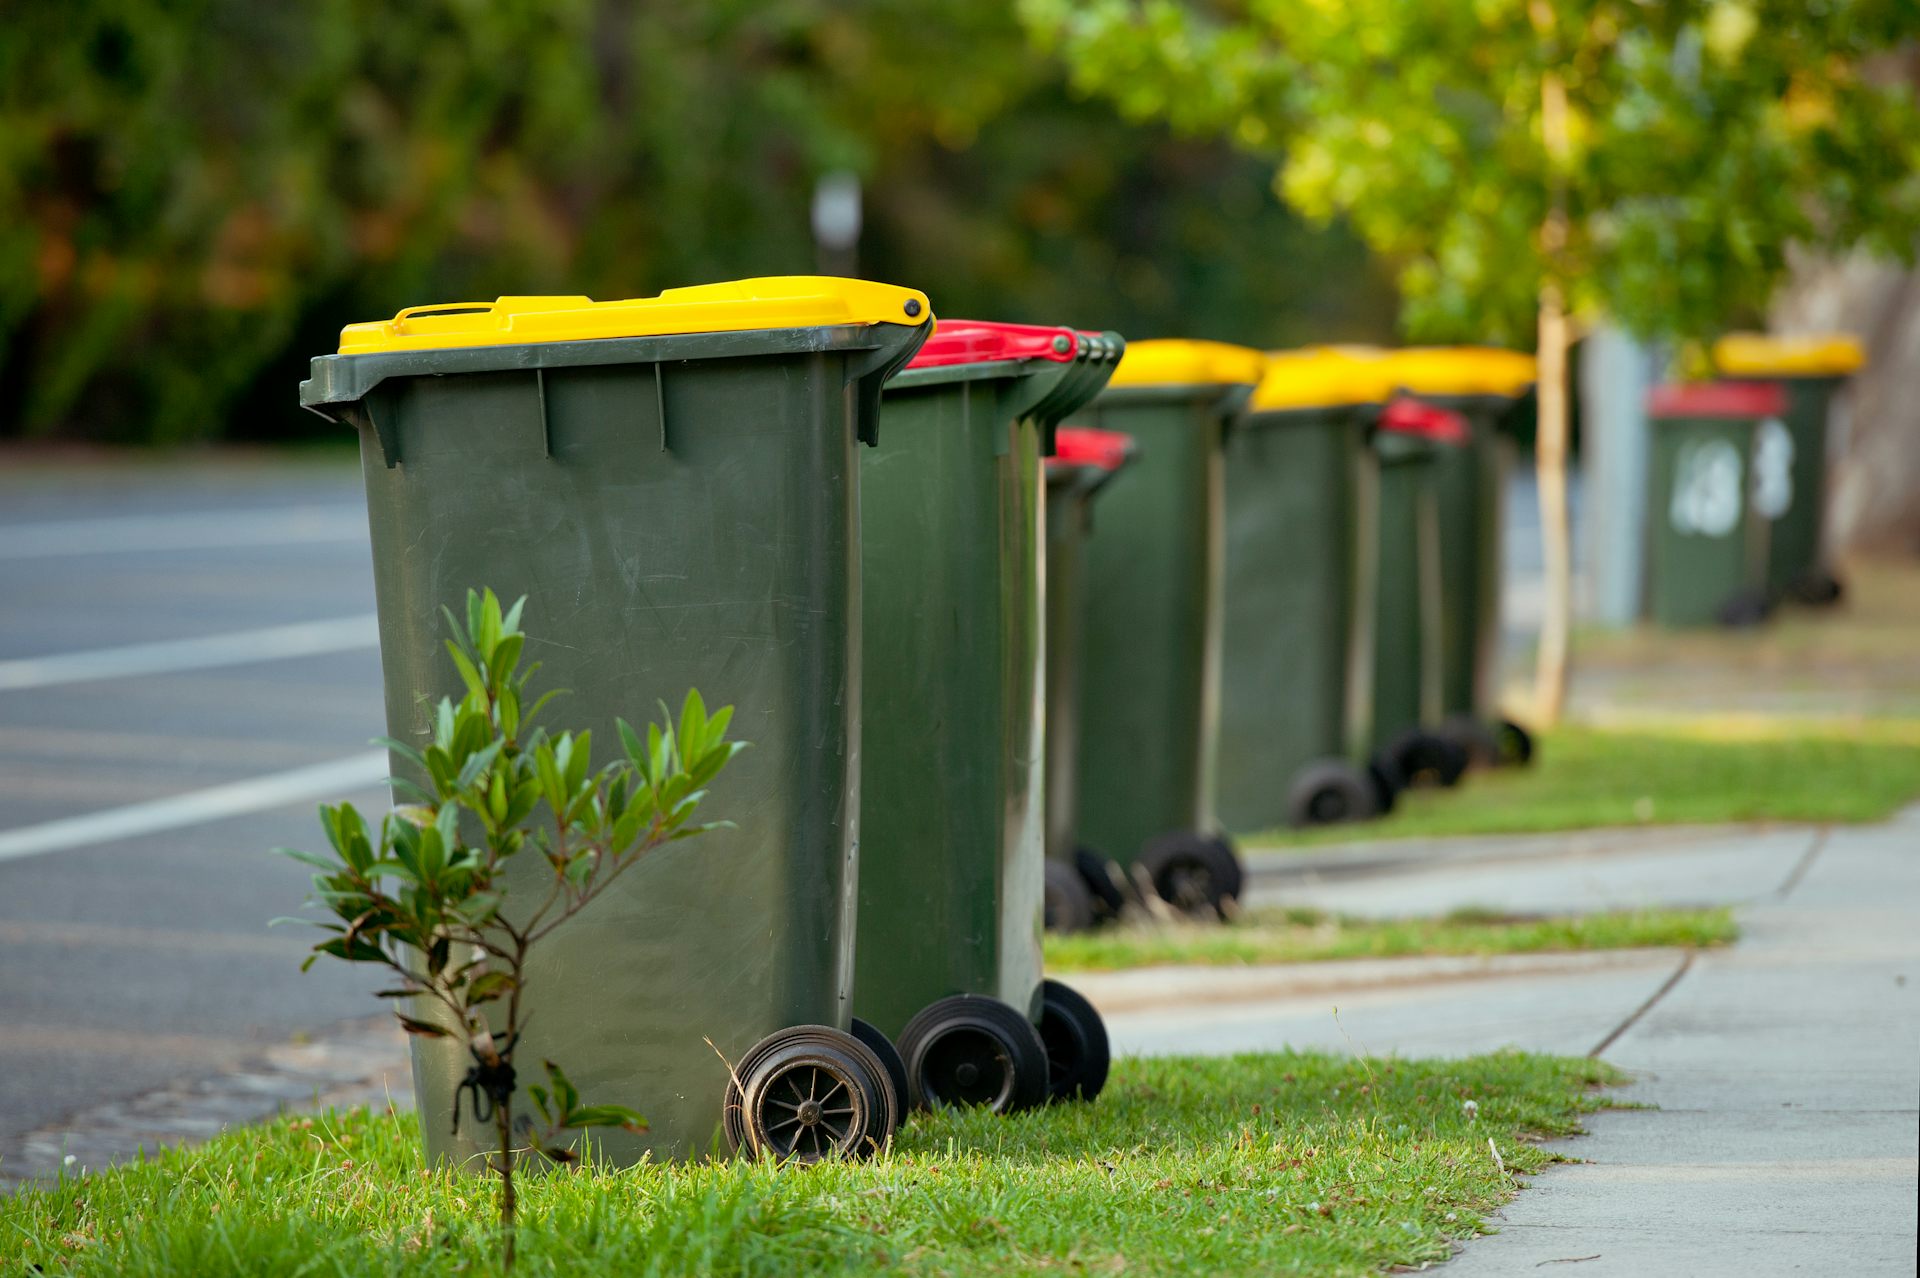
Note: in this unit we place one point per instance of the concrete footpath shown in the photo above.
(1787, 1075)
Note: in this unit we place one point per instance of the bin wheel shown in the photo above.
(1383, 774)
(809, 1092)
(1425, 758)
(889, 1056)
(1818, 588)
(1744, 610)
(968, 1049)
(1476, 737)
(1104, 880)
(1196, 874)
(1076, 1042)
(1516, 744)
(1069, 903)
(1328, 792)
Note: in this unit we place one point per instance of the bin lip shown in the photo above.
(1460, 371)
(1105, 450)
(1409, 416)
(1788, 355)
(767, 302)
(1321, 377)
(1731, 400)
(1167, 362)
(984, 341)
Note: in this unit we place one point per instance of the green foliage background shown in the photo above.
(196, 194)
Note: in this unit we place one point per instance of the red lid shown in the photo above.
(1718, 399)
(1406, 416)
(978, 342)
(1084, 446)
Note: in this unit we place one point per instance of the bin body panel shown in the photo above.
(1293, 501)
(1795, 543)
(1407, 650)
(952, 756)
(1150, 662)
(1069, 514)
(1470, 486)
(715, 550)
(1707, 545)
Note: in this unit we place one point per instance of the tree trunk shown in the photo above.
(509, 1201)
(1550, 462)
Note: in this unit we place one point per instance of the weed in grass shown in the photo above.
(1256, 1164)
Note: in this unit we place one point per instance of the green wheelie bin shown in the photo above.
(1790, 460)
(1710, 548)
(1297, 615)
(672, 482)
(952, 755)
(1150, 664)
(1408, 651)
(1081, 889)
(1482, 384)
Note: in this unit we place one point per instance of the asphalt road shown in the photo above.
(188, 665)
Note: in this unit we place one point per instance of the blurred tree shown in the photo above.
(195, 194)
(1528, 162)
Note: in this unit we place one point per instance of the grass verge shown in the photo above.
(1307, 936)
(1710, 771)
(1232, 1165)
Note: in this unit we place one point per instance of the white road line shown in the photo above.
(319, 781)
(195, 530)
(235, 648)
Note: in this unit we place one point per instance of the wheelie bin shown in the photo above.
(952, 756)
(672, 483)
(1297, 617)
(1710, 549)
(1408, 650)
(1151, 660)
(1790, 460)
(1482, 384)
(1081, 889)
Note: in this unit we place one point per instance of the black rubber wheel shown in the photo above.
(968, 1050)
(1196, 874)
(1745, 610)
(1516, 744)
(1476, 737)
(1104, 880)
(1068, 902)
(1426, 758)
(1383, 774)
(889, 1057)
(1328, 792)
(1076, 1042)
(1817, 589)
(809, 1092)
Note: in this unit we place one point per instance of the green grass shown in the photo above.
(1307, 936)
(1700, 772)
(1242, 1165)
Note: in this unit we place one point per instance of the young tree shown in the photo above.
(1534, 164)
(426, 895)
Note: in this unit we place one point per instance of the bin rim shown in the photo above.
(765, 302)
(1808, 355)
(955, 342)
(1460, 371)
(1725, 401)
(1182, 363)
(1320, 377)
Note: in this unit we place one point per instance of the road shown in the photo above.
(188, 665)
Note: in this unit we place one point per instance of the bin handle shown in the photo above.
(446, 308)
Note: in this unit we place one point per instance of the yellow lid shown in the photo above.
(775, 301)
(1322, 377)
(1461, 370)
(1765, 355)
(1177, 362)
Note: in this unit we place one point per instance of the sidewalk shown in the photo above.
(1785, 1071)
